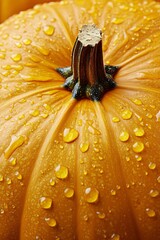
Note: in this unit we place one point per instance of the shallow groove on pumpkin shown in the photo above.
(106, 121)
(61, 23)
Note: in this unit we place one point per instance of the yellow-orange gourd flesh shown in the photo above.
(73, 169)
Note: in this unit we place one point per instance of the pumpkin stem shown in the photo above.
(88, 77)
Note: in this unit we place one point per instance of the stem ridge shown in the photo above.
(88, 77)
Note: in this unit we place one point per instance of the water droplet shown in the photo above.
(117, 20)
(113, 192)
(139, 131)
(6, 67)
(126, 114)
(1, 178)
(8, 180)
(18, 175)
(158, 179)
(18, 44)
(69, 192)
(13, 161)
(17, 37)
(138, 147)
(154, 193)
(152, 165)
(35, 113)
(49, 30)
(2, 55)
(45, 202)
(84, 147)
(149, 115)
(21, 117)
(47, 107)
(85, 218)
(101, 215)
(151, 213)
(79, 122)
(51, 222)
(91, 195)
(1, 211)
(5, 36)
(115, 236)
(52, 182)
(27, 41)
(16, 57)
(61, 172)
(85, 172)
(136, 101)
(70, 135)
(96, 150)
(158, 117)
(124, 136)
(138, 158)
(149, 40)
(16, 141)
(115, 119)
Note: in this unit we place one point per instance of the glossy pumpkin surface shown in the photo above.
(80, 169)
(8, 8)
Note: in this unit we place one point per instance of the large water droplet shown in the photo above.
(84, 147)
(61, 172)
(49, 30)
(152, 165)
(16, 57)
(69, 192)
(124, 136)
(139, 132)
(91, 195)
(45, 202)
(126, 114)
(51, 222)
(70, 135)
(138, 147)
(16, 141)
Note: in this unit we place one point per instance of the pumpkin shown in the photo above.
(7, 8)
(80, 122)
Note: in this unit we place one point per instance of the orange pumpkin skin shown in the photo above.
(8, 8)
(80, 169)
